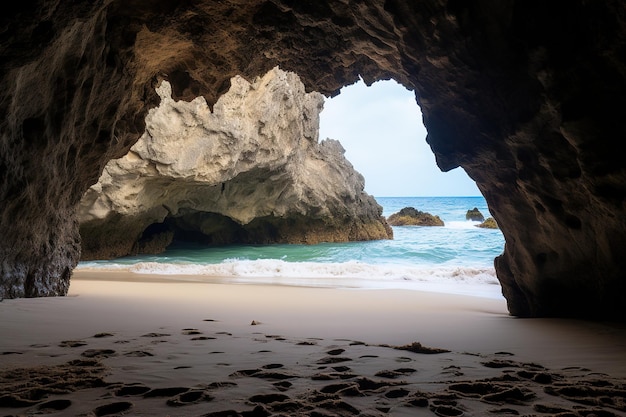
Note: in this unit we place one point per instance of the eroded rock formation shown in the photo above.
(526, 96)
(250, 171)
(489, 223)
(410, 216)
(474, 215)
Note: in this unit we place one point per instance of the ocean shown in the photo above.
(456, 258)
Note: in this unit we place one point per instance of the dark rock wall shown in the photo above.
(553, 180)
(527, 96)
(64, 110)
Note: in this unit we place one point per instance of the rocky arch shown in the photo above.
(526, 96)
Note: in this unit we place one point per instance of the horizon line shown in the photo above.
(424, 196)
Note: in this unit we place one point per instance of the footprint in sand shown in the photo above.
(138, 354)
(396, 373)
(333, 359)
(99, 353)
(72, 343)
(155, 335)
(417, 347)
(189, 397)
(550, 409)
(493, 392)
(504, 411)
(452, 370)
(311, 341)
(341, 372)
(258, 411)
(191, 332)
(203, 338)
(224, 384)
(446, 411)
(263, 374)
(273, 366)
(418, 400)
(283, 385)
(538, 377)
(102, 335)
(505, 363)
(113, 408)
(131, 390)
(269, 398)
(53, 406)
(348, 389)
(330, 376)
(397, 393)
(360, 387)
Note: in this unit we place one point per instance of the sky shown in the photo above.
(385, 140)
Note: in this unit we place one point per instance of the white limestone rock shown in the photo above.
(252, 170)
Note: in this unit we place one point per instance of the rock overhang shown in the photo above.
(524, 96)
(250, 171)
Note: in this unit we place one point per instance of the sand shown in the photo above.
(126, 344)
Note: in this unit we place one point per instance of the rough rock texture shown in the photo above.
(526, 96)
(489, 223)
(474, 215)
(410, 216)
(250, 171)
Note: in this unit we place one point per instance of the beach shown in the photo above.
(148, 345)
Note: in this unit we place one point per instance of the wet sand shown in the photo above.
(126, 344)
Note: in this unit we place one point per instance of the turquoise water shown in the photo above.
(458, 255)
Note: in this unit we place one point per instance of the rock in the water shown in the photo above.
(410, 216)
(474, 215)
(250, 171)
(489, 223)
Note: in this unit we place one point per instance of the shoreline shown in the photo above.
(444, 285)
(156, 332)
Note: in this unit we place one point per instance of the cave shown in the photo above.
(214, 230)
(526, 96)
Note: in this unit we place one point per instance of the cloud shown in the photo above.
(382, 131)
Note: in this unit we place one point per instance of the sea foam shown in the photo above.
(352, 274)
(456, 258)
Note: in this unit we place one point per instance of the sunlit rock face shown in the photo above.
(527, 97)
(250, 171)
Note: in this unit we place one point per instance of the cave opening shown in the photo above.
(495, 75)
(267, 214)
(380, 126)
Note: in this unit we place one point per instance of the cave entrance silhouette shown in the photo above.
(380, 128)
